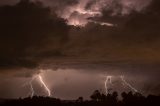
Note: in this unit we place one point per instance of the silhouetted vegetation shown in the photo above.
(97, 99)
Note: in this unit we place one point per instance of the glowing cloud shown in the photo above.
(79, 13)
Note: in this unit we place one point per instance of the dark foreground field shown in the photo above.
(97, 99)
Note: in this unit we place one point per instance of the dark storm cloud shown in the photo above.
(30, 34)
(58, 3)
(90, 8)
(29, 30)
(8, 2)
(136, 37)
(33, 37)
(133, 42)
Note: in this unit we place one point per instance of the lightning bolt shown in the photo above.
(31, 86)
(32, 90)
(129, 85)
(107, 81)
(37, 77)
(103, 23)
(45, 86)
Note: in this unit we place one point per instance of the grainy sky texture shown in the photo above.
(76, 43)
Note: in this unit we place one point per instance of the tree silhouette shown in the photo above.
(98, 99)
(96, 96)
(80, 99)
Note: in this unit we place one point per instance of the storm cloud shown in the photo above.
(35, 35)
(29, 30)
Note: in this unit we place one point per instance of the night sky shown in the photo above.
(74, 44)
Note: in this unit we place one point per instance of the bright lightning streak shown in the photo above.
(38, 77)
(107, 81)
(90, 13)
(31, 86)
(129, 85)
(32, 90)
(103, 23)
(31, 93)
(106, 24)
(45, 86)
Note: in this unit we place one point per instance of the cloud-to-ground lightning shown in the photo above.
(108, 81)
(129, 85)
(45, 86)
(40, 79)
(32, 90)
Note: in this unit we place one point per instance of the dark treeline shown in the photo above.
(97, 99)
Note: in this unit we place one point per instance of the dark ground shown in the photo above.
(97, 99)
